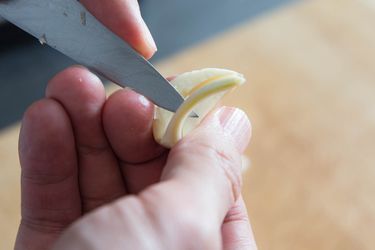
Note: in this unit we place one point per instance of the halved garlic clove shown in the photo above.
(202, 90)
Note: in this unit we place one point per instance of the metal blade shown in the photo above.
(68, 27)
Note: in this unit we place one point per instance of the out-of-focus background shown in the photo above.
(310, 96)
(26, 65)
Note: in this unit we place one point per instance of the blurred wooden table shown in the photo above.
(311, 97)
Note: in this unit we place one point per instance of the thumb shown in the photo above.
(200, 182)
(202, 179)
(212, 153)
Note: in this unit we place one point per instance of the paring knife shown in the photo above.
(68, 27)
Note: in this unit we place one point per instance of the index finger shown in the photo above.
(124, 18)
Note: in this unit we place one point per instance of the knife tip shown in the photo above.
(193, 115)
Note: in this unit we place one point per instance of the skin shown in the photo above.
(94, 178)
(124, 18)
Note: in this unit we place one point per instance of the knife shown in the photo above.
(68, 27)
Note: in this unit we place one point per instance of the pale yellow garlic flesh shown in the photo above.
(202, 90)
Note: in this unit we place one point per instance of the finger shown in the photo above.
(82, 95)
(201, 181)
(124, 18)
(49, 181)
(127, 119)
(236, 229)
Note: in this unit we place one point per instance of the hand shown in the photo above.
(124, 18)
(94, 178)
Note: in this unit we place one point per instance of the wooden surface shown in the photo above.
(311, 98)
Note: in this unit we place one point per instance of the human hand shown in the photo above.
(93, 161)
(124, 18)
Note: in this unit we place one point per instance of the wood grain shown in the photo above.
(311, 71)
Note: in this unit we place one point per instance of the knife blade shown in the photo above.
(68, 27)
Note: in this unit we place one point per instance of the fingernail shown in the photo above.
(150, 42)
(143, 100)
(236, 124)
(148, 48)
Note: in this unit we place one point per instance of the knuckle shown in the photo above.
(94, 201)
(40, 109)
(221, 155)
(44, 226)
(226, 160)
(230, 166)
(44, 178)
(236, 214)
(86, 149)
